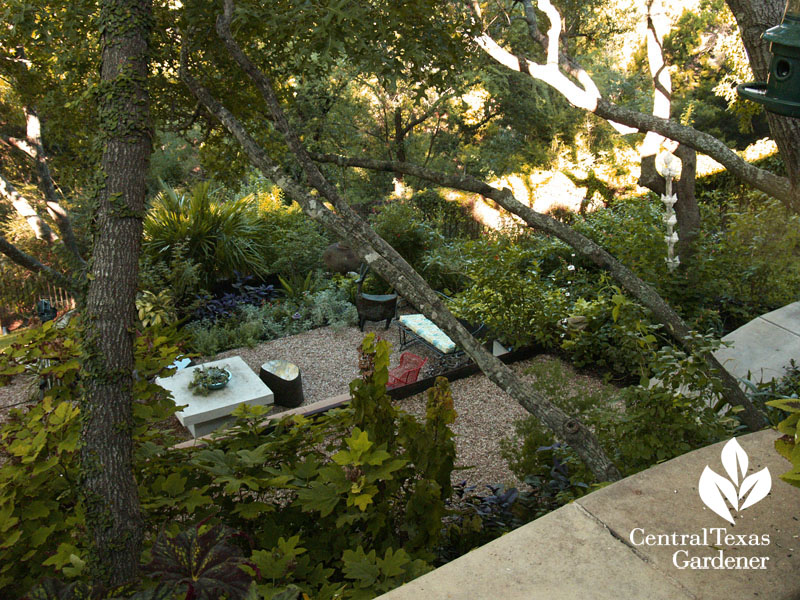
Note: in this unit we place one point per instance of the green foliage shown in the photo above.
(359, 483)
(201, 563)
(706, 43)
(780, 399)
(345, 506)
(174, 159)
(633, 232)
(293, 242)
(611, 332)
(638, 426)
(155, 310)
(41, 510)
(278, 318)
(757, 252)
(673, 415)
(453, 218)
(175, 281)
(788, 445)
(403, 226)
(223, 237)
(510, 292)
(204, 379)
(296, 287)
(371, 574)
(521, 451)
(743, 263)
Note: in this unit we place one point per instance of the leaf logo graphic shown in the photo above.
(715, 489)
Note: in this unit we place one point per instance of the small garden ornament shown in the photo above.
(669, 167)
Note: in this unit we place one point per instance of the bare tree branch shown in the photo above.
(657, 28)
(586, 98)
(673, 323)
(23, 207)
(54, 208)
(21, 145)
(385, 260)
(413, 122)
(31, 264)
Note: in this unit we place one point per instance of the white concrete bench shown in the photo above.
(204, 414)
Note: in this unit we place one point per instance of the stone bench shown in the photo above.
(204, 414)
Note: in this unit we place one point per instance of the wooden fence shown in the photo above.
(19, 295)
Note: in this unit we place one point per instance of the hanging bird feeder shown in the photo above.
(781, 93)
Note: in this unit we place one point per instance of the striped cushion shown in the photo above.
(429, 332)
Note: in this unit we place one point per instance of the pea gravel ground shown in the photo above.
(328, 361)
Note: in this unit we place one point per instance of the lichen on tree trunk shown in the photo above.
(112, 504)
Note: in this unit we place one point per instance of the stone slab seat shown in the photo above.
(204, 414)
(585, 549)
(285, 380)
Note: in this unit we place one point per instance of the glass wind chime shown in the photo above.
(669, 167)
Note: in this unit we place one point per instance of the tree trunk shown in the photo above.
(112, 504)
(754, 18)
(686, 208)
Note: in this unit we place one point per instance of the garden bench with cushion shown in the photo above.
(418, 328)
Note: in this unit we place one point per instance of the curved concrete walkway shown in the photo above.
(763, 348)
(650, 535)
(598, 547)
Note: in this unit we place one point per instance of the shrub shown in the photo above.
(224, 237)
(638, 426)
(155, 310)
(176, 277)
(779, 398)
(673, 416)
(225, 304)
(478, 518)
(41, 509)
(522, 450)
(756, 257)
(611, 332)
(787, 445)
(453, 218)
(346, 506)
(247, 324)
(744, 261)
(293, 242)
(403, 226)
(510, 294)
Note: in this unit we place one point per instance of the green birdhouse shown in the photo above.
(781, 93)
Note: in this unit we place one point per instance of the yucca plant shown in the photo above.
(223, 236)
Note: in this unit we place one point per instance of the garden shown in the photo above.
(594, 325)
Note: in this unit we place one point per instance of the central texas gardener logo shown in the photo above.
(739, 489)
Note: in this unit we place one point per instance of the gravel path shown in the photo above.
(329, 362)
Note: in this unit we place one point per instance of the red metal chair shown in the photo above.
(407, 371)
